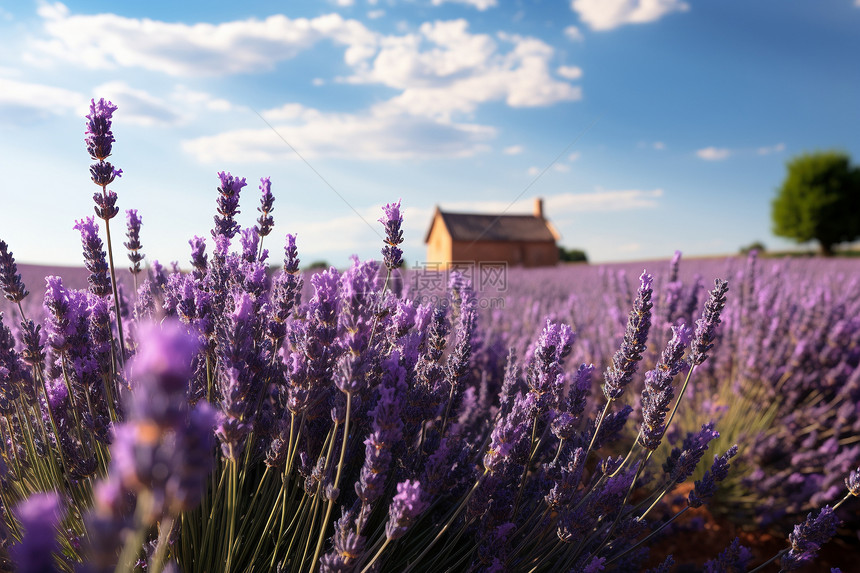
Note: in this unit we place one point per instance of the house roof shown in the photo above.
(475, 227)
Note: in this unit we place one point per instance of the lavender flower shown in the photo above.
(267, 201)
(405, 507)
(852, 482)
(286, 291)
(682, 462)
(133, 243)
(250, 241)
(392, 220)
(99, 142)
(626, 359)
(733, 559)
(664, 567)
(160, 371)
(39, 516)
(10, 281)
(94, 257)
(387, 430)
(808, 537)
(164, 449)
(198, 257)
(33, 352)
(347, 547)
(707, 486)
(703, 340)
(545, 376)
(99, 136)
(658, 393)
(228, 205)
(673, 267)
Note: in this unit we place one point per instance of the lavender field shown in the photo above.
(224, 415)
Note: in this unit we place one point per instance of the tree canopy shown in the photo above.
(819, 200)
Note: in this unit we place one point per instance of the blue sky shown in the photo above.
(672, 121)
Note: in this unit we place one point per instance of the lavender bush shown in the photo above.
(238, 419)
(782, 380)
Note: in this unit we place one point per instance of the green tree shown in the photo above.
(572, 255)
(819, 200)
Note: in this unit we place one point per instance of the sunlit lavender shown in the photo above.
(238, 414)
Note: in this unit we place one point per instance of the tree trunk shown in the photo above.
(826, 250)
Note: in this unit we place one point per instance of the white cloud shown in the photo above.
(720, 153)
(602, 200)
(202, 100)
(318, 82)
(23, 102)
(574, 156)
(513, 150)
(139, 107)
(569, 203)
(439, 70)
(561, 167)
(534, 170)
(575, 35)
(443, 70)
(290, 111)
(713, 153)
(373, 134)
(608, 14)
(109, 41)
(569, 72)
(375, 14)
(778, 148)
(344, 3)
(479, 4)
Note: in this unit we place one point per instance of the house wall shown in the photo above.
(443, 250)
(515, 253)
(438, 243)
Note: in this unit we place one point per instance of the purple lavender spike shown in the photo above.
(658, 393)
(228, 205)
(703, 340)
(733, 559)
(133, 244)
(405, 507)
(94, 257)
(198, 257)
(265, 222)
(99, 140)
(808, 537)
(10, 280)
(392, 220)
(707, 486)
(626, 359)
(39, 516)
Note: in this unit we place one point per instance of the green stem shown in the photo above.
(324, 525)
(769, 561)
(121, 355)
(445, 527)
(134, 542)
(649, 536)
(165, 528)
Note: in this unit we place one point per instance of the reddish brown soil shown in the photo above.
(691, 549)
